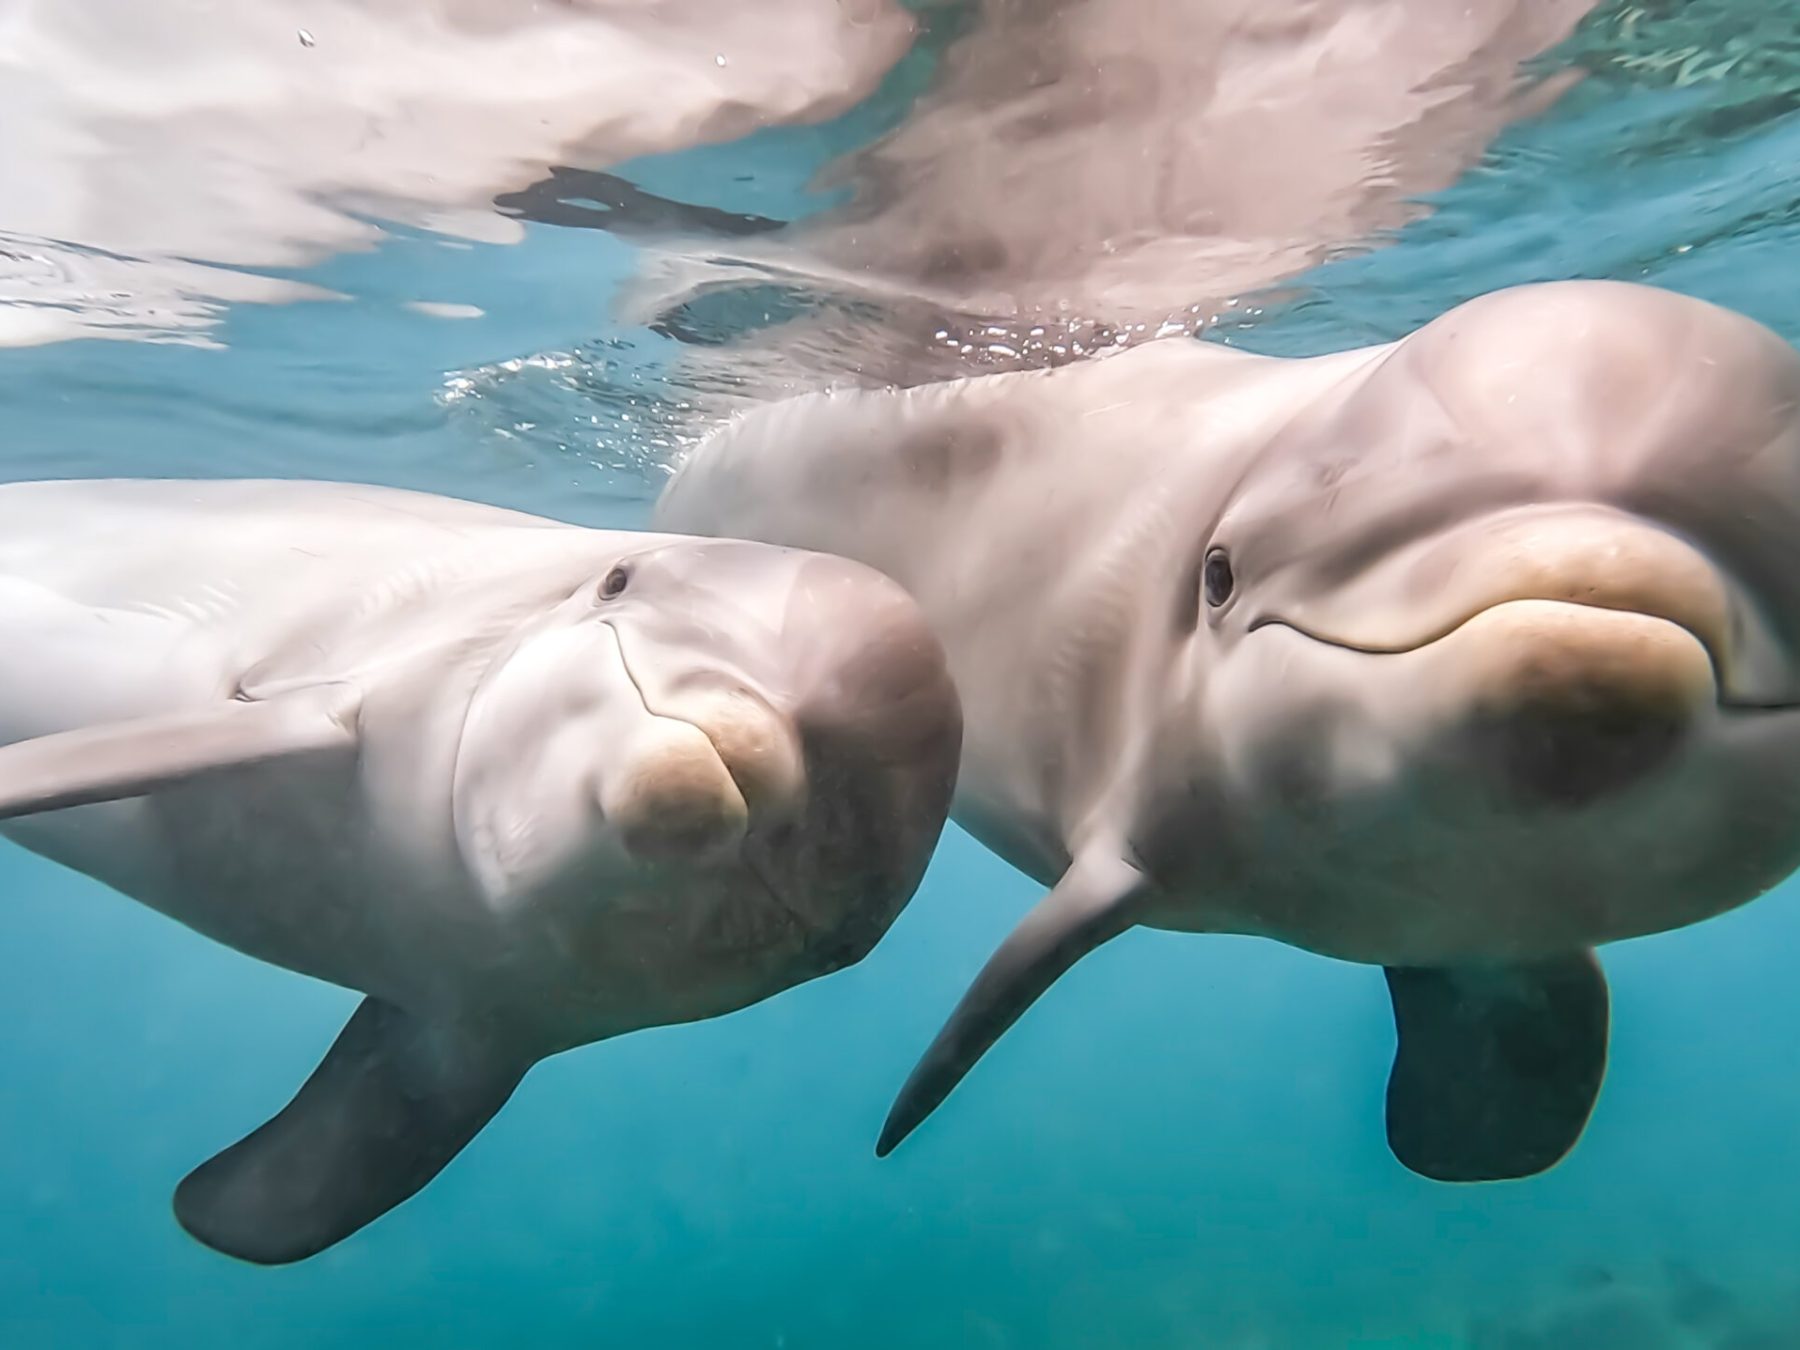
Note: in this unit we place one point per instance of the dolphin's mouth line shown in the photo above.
(643, 698)
(1724, 702)
(1419, 645)
(637, 685)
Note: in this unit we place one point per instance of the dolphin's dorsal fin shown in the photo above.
(393, 1101)
(132, 758)
(1497, 1067)
(1090, 905)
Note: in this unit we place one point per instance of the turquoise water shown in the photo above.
(1182, 1147)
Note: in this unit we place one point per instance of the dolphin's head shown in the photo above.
(740, 738)
(1501, 639)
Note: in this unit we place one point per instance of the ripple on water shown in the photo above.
(1672, 159)
(51, 290)
(602, 406)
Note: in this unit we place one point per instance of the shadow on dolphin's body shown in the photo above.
(525, 785)
(1457, 656)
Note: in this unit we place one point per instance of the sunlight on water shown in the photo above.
(303, 275)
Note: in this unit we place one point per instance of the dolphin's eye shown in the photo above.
(615, 583)
(1217, 579)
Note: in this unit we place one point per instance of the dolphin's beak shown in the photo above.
(1573, 647)
(833, 719)
(675, 797)
(690, 782)
(1568, 702)
(757, 745)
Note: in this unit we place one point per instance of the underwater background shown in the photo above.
(1182, 1147)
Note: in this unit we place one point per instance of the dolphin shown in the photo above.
(525, 785)
(1458, 655)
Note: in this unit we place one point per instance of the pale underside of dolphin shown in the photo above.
(1458, 656)
(524, 785)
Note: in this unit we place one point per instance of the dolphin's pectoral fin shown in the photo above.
(1497, 1067)
(132, 758)
(392, 1102)
(1090, 906)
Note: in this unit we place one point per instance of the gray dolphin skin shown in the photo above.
(1458, 656)
(524, 785)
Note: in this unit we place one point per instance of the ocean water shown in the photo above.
(1182, 1146)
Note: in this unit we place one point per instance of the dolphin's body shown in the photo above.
(525, 785)
(1457, 656)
